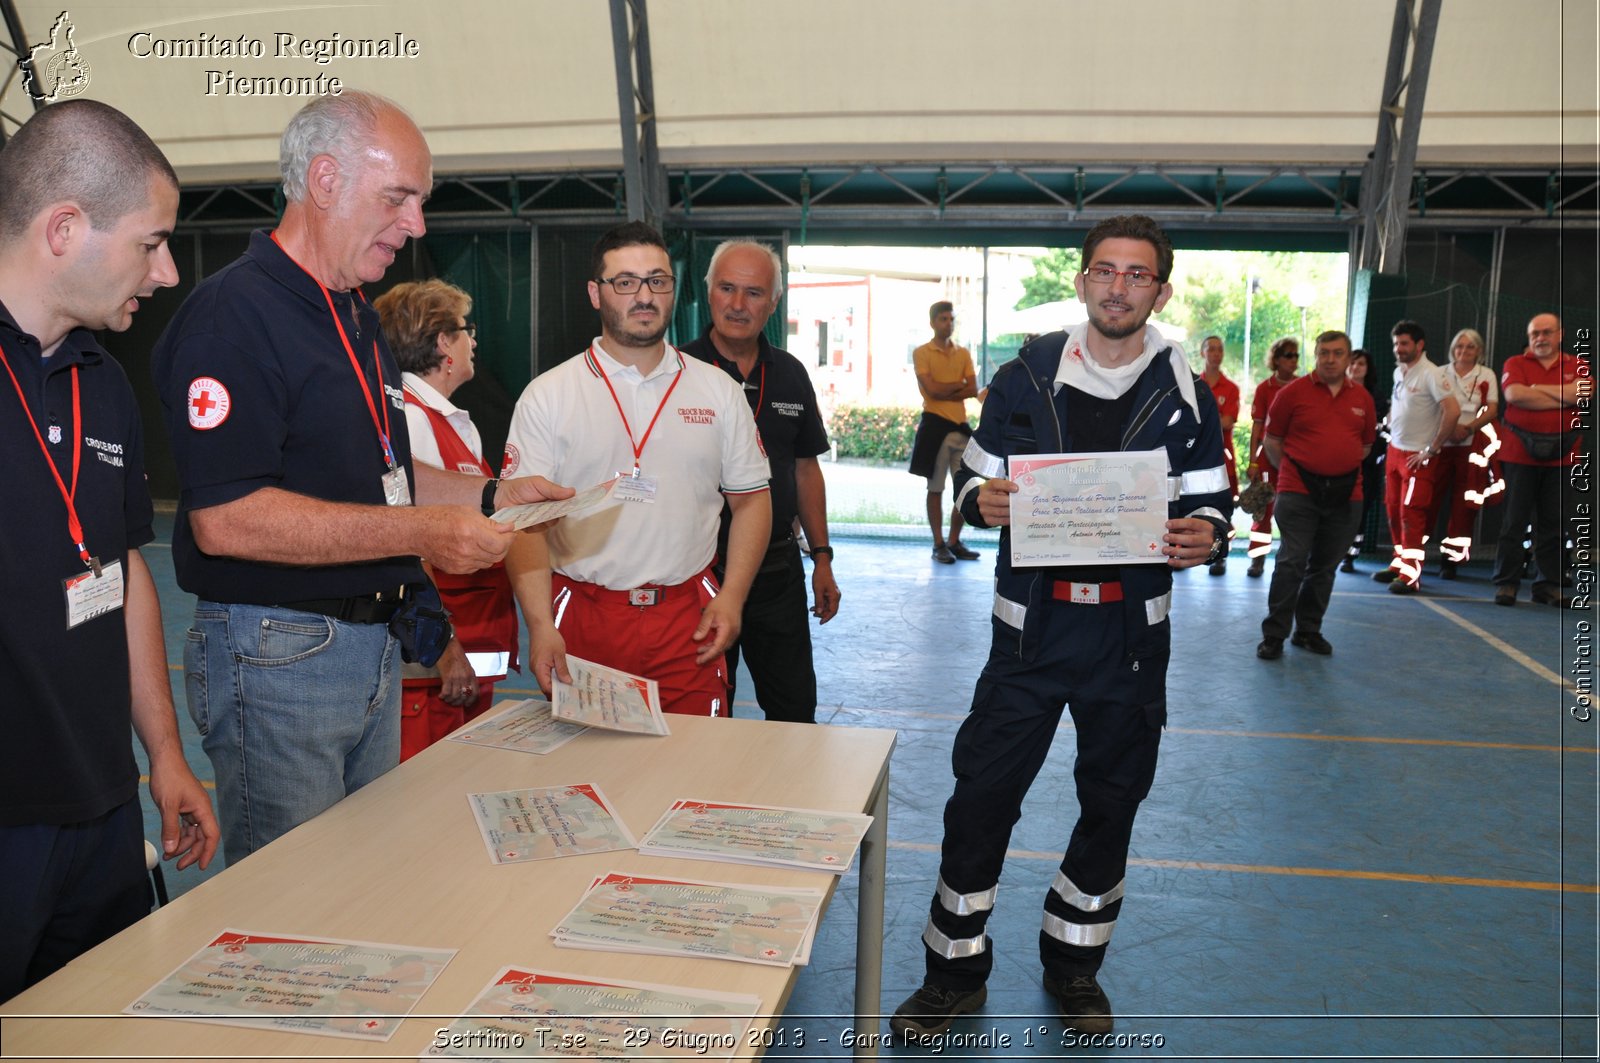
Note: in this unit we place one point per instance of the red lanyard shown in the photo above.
(638, 448)
(74, 527)
(361, 378)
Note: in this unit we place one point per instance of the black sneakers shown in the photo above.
(962, 551)
(1269, 648)
(930, 1010)
(942, 554)
(1084, 1006)
(1313, 641)
(1384, 575)
(1258, 565)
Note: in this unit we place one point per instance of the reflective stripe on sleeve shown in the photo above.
(1068, 891)
(952, 948)
(972, 485)
(1174, 488)
(1205, 481)
(1157, 608)
(1088, 934)
(1009, 612)
(488, 664)
(965, 903)
(1212, 513)
(981, 461)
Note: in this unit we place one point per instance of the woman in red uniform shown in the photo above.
(426, 325)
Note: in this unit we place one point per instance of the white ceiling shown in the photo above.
(529, 85)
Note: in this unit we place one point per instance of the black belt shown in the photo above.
(377, 608)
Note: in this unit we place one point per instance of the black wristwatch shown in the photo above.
(490, 486)
(815, 550)
(1219, 546)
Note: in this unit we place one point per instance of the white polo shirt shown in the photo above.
(424, 447)
(1414, 407)
(1473, 391)
(567, 427)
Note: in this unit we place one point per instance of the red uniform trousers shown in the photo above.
(1469, 480)
(655, 641)
(1411, 497)
(1261, 527)
(425, 717)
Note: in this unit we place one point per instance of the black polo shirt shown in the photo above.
(258, 336)
(67, 753)
(785, 407)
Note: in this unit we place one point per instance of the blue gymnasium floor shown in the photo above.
(1389, 853)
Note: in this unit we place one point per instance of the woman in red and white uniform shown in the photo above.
(1470, 478)
(426, 325)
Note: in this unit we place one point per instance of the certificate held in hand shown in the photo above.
(1088, 509)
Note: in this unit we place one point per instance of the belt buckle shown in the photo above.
(644, 596)
(1086, 593)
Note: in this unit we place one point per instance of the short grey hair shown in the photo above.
(340, 126)
(1471, 334)
(730, 245)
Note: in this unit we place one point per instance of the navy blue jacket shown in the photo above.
(1020, 416)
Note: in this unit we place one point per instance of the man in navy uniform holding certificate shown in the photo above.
(1092, 638)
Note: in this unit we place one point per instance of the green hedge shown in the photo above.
(883, 432)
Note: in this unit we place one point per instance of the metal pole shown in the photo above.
(622, 53)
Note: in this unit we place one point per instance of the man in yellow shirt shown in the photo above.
(947, 379)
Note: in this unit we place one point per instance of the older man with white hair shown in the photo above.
(744, 284)
(296, 525)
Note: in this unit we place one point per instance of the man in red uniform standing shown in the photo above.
(1543, 389)
(1226, 392)
(1283, 360)
(1318, 432)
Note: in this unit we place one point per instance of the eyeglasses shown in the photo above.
(470, 330)
(1137, 278)
(627, 283)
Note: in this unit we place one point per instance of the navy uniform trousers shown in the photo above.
(1079, 658)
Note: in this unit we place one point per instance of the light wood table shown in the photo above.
(402, 862)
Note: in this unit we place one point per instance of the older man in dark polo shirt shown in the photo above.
(745, 281)
(1319, 429)
(296, 528)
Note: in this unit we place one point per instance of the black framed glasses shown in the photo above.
(627, 283)
(470, 329)
(1137, 278)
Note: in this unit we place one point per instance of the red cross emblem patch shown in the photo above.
(209, 403)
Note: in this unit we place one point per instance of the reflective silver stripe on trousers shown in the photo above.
(952, 948)
(1156, 609)
(965, 903)
(1068, 891)
(1010, 612)
(1205, 481)
(1174, 488)
(1072, 933)
(981, 461)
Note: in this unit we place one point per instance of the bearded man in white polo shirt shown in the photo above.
(629, 584)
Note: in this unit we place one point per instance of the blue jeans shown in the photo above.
(296, 711)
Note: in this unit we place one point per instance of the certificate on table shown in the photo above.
(522, 825)
(607, 698)
(526, 516)
(683, 917)
(359, 989)
(526, 726)
(552, 1014)
(1088, 509)
(758, 834)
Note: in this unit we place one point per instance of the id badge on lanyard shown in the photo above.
(396, 488)
(91, 594)
(636, 486)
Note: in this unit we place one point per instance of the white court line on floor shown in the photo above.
(1500, 644)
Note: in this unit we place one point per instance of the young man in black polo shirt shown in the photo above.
(745, 282)
(88, 204)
